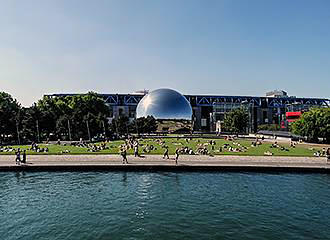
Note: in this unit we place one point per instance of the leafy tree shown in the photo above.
(236, 121)
(313, 124)
(269, 127)
(144, 125)
(49, 113)
(9, 116)
(120, 126)
(77, 114)
(30, 124)
(89, 110)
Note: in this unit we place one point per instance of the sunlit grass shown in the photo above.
(173, 143)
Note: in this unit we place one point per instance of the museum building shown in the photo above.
(210, 110)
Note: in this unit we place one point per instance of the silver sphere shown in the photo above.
(164, 104)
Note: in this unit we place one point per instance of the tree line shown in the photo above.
(86, 117)
(314, 125)
(75, 117)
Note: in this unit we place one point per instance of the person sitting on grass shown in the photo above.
(324, 152)
(65, 151)
(268, 153)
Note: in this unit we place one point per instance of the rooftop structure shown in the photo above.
(277, 93)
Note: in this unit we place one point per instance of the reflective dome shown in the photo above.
(164, 104)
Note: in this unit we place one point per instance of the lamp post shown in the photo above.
(89, 133)
(38, 134)
(69, 129)
(211, 122)
(18, 137)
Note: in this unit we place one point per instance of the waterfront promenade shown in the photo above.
(156, 162)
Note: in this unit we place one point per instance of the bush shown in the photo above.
(269, 127)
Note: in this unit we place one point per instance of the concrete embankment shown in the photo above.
(156, 163)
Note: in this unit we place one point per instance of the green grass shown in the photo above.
(173, 143)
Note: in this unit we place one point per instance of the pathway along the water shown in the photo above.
(157, 163)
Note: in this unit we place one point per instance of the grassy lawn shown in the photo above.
(173, 143)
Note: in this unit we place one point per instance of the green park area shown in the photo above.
(196, 146)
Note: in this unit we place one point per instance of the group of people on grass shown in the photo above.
(203, 149)
(7, 149)
(35, 147)
(323, 153)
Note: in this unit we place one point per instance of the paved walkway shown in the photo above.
(108, 161)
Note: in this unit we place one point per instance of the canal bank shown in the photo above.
(157, 163)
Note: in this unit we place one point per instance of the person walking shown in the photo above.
(136, 150)
(176, 156)
(18, 157)
(166, 153)
(123, 153)
(328, 155)
(24, 157)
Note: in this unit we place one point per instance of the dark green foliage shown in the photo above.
(145, 124)
(313, 124)
(9, 117)
(236, 121)
(54, 117)
(120, 126)
(269, 127)
(71, 117)
(30, 124)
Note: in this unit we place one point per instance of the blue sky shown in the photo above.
(225, 47)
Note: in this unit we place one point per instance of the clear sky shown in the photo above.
(225, 47)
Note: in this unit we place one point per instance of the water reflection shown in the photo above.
(124, 179)
(19, 175)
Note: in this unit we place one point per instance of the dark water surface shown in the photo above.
(141, 205)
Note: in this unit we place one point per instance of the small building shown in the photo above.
(277, 94)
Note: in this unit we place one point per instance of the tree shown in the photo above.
(9, 117)
(313, 124)
(120, 126)
(144, 125)
(50, 111)
(80, 116)
(88, 110)
(269, 127)
(30, 124)
(236, 121)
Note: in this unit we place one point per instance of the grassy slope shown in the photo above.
(300, 150)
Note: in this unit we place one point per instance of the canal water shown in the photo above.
(163, 205)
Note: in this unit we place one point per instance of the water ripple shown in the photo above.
(118, 205)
